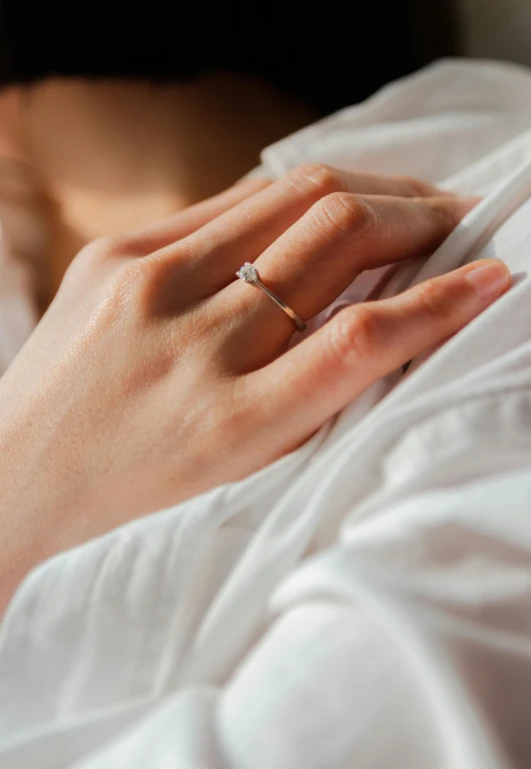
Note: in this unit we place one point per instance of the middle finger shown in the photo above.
(215, 251)
(318, 257)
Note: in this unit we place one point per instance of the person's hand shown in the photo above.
(157, 374)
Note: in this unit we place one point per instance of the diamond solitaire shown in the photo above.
(248, 273)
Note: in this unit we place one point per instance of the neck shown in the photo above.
(114, 155)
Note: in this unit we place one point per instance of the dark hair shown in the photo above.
(327, 54)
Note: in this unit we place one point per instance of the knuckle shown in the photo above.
(355, 335)
(103, 248)
(126, 284)
(443, 215)
(416, 188)
(161, 283)
(436, 301)
(91, 258)
(170, 258)
(343, 213)
(117, 296)
(315, 178)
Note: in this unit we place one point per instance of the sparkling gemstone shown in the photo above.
(248, 273)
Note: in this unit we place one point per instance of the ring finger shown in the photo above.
(214, 252)
(318, 257)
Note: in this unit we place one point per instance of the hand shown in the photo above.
(156, 374)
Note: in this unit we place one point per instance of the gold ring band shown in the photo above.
(249, 274)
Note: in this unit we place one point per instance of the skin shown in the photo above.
(154, 370)
(99, 158)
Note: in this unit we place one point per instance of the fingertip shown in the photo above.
(465, 204)
(490, 278)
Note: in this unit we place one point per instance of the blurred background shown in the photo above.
(306, 47)
(498, 29)
(114, 114)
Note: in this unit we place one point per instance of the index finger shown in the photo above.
(251, 227)
(183, 223)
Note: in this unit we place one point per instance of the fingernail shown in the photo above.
(470, 199)
(466, 204)
(489, 280)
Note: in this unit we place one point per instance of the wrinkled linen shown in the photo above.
(363, 603)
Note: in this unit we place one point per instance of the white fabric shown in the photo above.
(365, 602)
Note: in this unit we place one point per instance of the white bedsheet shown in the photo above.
(364, 602)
